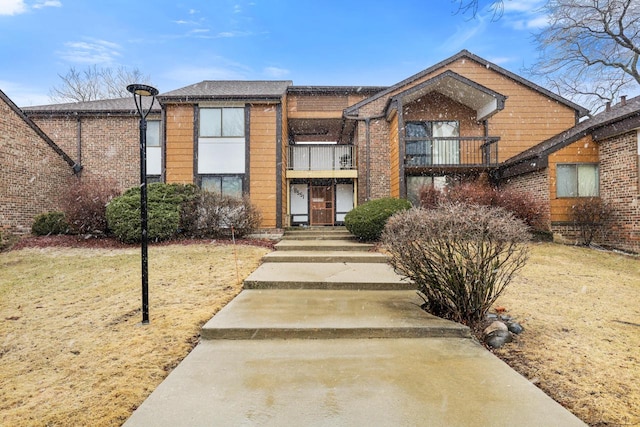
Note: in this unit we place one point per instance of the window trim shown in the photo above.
(577, 182)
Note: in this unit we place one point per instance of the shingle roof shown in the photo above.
(229, 89)
(466, 54)
(617, 113)
(110, 106)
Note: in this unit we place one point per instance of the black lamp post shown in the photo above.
(138, 91)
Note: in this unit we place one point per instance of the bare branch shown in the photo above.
(95, 83)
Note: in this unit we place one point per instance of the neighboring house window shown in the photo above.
(154, 151)
(415, 184)
(577, 180)
(427, 143)
(221, 149)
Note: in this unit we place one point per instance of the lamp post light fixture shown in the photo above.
(138, 91)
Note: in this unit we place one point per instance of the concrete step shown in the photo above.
(322, 245)
(320, 236)
(327, 314)
(334, 276)
(309, 256)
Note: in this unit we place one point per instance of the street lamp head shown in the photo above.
(142, 90)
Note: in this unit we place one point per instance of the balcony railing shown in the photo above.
(321, 157)
(451, 152)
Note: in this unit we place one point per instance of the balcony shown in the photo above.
(322, 157)
(451, 152)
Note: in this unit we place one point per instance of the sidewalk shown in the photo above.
(323, 340)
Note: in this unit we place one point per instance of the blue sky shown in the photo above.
(181, 42)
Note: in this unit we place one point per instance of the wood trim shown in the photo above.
(278, 166)
(246, 188)
(623, 126)
(401, 151)
(196, 133)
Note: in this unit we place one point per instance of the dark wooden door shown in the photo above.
(322, 210)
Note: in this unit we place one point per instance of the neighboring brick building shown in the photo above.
(34, 171)
(605, 153)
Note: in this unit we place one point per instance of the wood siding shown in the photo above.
(179, 148)
(528, 118)
(318, 106)
(581, 151)
(262, 172)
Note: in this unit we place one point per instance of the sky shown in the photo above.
(182, 42)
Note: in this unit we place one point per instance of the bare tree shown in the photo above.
(590, 50)
(95, 83)
(471, 7)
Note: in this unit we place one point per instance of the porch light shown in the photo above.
(138, 91)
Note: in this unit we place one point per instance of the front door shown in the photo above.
(322, 205)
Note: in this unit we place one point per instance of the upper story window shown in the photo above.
(221, 122)
(577, 180)
(154, 151)
(426, 143)
(221, 141)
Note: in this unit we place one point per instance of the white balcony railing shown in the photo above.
(320, 157)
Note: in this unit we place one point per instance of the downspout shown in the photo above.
(367, 121)
(79, 141)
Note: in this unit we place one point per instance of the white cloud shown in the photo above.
(522, 5)
(93, 51)
(276, 72)
(524, 14)
(47, 3)
(464, 33)
(12, 7)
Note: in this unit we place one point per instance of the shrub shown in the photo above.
(589, 216)
(460, 256)
(367, 221)
(215, 215)
(49, 223)
(84, 205)
(163, 209)
(523, 205)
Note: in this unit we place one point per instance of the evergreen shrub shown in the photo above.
(367, 220)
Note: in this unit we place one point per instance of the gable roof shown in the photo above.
(76, 167)
(126, 106)
(228, 89)
(483, 100)
(619, 118)
(466, 54)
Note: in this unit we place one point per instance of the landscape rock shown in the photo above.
(498, 338)
(495, 326)
(515, 327)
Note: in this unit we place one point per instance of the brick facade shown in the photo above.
(107, 146)
(535, 183)
(32, 173)
(619, 187)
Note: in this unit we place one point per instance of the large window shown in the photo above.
(426, 143)
(221, 149)
(154, 151)
(227, 185)
(577, 180)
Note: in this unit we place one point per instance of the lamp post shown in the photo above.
(138, 91)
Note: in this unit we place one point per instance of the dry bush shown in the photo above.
(460, 256)
(84, 205)
(589, 215)
(523, 205)
(215, 215)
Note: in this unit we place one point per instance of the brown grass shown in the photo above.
(72, 351)
(581, 312)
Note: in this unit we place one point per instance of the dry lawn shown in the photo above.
(72, 351)
(581, 312)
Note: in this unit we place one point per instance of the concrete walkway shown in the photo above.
(326, 334)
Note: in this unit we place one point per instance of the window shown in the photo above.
(226, 185)
(416, 183)
(426, 143)
(577, 180)
(154, 151)
(221, 141)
